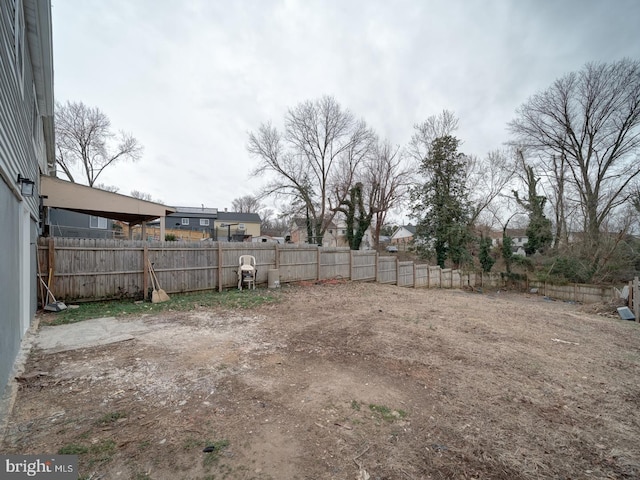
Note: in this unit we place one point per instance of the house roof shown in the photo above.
(511, 232)
(409, 228)
(60, 193)
(240, 217)
(197, 210)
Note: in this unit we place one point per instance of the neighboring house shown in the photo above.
(190, 223)
(192, 219)
(27, 150)
(298, 232)
(518, 236)
(268, 239)
(66, 223)
(335, 234)
(403, 235)
(241, 226)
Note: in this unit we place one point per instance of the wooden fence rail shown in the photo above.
(95, 269)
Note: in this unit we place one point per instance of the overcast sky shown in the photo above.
(190, 79)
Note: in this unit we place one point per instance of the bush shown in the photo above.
(170, 237)
(564, 269)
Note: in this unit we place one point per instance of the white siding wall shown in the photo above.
(22, 151)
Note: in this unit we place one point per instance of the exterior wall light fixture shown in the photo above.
(27, 186)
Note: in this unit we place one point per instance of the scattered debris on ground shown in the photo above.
(344, 381)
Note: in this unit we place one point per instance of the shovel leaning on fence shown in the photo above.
(158, 295)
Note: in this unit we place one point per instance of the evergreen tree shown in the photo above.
(486, 260)
(539, 235)
(507, 250)
(358, 219)
(441, 204)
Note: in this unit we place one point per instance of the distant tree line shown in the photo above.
(569, 176)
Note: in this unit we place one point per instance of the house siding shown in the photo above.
(65, 223)
(24, 149)
(10, 333)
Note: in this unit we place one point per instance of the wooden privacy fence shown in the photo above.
(94, 269)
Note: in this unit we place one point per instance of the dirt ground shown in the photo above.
(350, 381)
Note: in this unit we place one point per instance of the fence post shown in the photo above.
(415, 276)
(318, 262)
(428, 276)
(51, 264)
(397, 271)
(636, 298)
(145, 271)
(377, 267)
(350, 264)
(277, 256)
(219, 266)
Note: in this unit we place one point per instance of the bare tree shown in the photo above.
(488, 179)
(425, 133)
(246, 204)
(635, 199)
(590, 120)
(388, 176)
(106, 188)
(141, 195)
(84, 139)
(322, 144)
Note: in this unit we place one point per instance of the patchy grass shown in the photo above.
(386, 413)
(212, 457)
(112, 417)
(231, 299)
(102, 452)
(73, 449)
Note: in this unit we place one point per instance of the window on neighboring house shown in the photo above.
(185, 221)
(97, 222)
(204, 222)
(343, 232)
(331, 232)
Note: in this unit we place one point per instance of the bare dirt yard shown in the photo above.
(349, 381)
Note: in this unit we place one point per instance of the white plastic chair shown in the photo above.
(247, 271)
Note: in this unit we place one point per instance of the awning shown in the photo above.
(100, 203)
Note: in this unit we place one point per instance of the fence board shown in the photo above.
(298, 263)
(445, 278)
(422, 276)
(575, 292)
(94, 269)
(387, 271)
(334, 263)
(435, 276)
(405, 274)
(364, 265)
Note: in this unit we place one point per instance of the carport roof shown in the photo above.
(93, 201)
